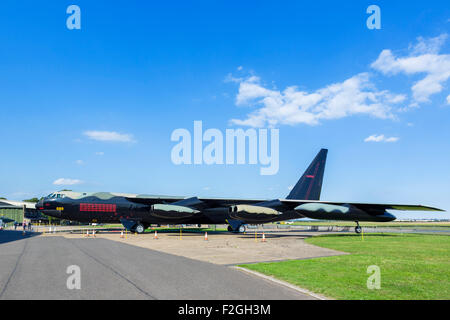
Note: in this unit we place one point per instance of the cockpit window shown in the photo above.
(55, 195)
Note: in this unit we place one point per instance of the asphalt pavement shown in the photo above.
(36, 267)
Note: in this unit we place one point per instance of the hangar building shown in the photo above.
(15, 210)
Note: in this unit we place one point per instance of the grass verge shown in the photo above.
(412, 267)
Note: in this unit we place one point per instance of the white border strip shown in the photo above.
(283, 283)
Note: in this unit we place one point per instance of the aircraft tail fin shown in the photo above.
(309, 186)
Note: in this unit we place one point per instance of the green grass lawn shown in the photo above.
(412, 267)
(374, 224)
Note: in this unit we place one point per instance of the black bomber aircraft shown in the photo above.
(138, 212)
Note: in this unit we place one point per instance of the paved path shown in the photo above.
(34, 267)
(224, 248)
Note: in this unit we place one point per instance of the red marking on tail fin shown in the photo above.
(312, 177)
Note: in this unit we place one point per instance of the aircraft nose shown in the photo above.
(40, 205)
(49, 207)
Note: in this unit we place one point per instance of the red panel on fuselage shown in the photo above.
(97, 207)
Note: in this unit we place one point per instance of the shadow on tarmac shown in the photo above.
(249, 234)
(11, 235)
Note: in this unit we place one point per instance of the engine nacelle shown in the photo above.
(340, 212)
(252, 214)
(170, 211)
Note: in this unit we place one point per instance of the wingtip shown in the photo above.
(434, 209)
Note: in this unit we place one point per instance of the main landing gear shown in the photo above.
(241, 229)
(358, 228)
(134, 226)
(139, 228)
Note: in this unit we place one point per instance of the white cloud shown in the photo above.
(230, 78)
(99, 153)
(110, 136)
(428, 45)
(66, 182)
(356, 95)
(79, 162)
(423, 59)
(380, 138)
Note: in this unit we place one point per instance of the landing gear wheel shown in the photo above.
(230, 229)
(358, 229)
(139, 228)
(242, 229)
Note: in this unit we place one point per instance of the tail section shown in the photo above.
(309, 186)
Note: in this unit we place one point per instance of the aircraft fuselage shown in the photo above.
(95, 210)
(116, 209)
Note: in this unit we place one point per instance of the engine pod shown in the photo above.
(170, 211)
(253, 214)
(332, 212)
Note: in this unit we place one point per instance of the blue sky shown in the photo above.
(138, 71)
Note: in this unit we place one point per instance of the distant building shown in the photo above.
(14, 210)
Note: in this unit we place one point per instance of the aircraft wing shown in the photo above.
(402, 207)
(367, 206)
(262, 211)
(281, 204)
(194, 202)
